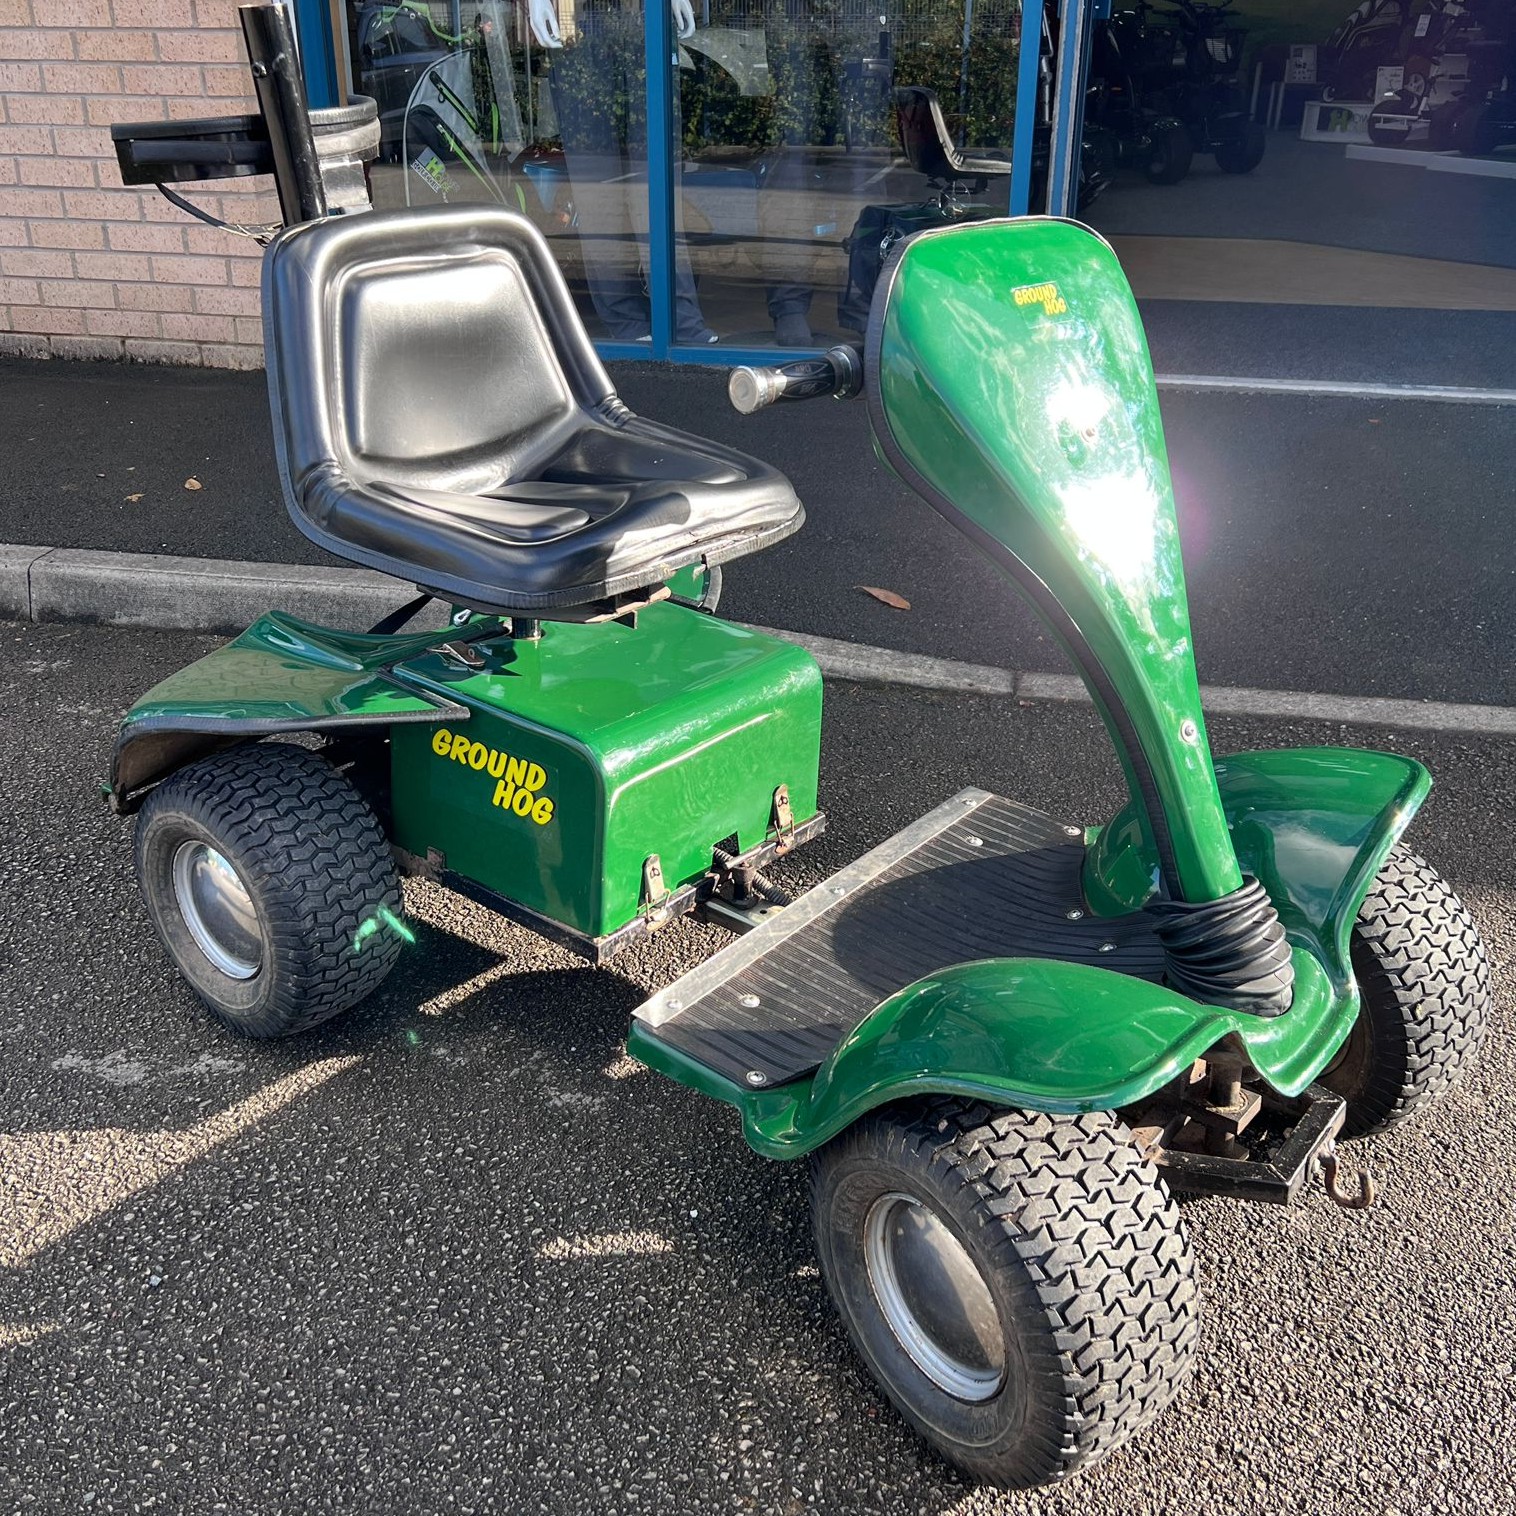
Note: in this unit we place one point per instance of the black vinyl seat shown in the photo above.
(928, 144)
(440, 415)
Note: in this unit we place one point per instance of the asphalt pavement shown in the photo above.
(1332, 545)
(454, 1253)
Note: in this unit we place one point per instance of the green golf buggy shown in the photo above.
(1001, 1039)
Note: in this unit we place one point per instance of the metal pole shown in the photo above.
(1024, 130)
(270, 43)
(963, 74)
(1072, 66)
(661, 166)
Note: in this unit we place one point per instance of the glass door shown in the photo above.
(536, 105)
(792, 143)
(807, 136)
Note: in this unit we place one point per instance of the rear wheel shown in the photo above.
(1019, 1284)
(1475, 133)
(1424, 986)
(271, 885)
(1441, 125)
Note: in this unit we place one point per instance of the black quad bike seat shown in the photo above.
(928, 144)
(440, 415)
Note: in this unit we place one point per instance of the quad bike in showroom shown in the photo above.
(1000, 1039)
(1185, 65)
(1143, 133)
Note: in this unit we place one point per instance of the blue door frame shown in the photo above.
(319, 64)
(318, 51)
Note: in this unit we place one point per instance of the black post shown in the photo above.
(270, 43)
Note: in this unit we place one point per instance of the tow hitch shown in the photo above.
(1367, 1190)
(1215, 1135)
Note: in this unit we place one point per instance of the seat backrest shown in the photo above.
(435, 347)
(924, 136)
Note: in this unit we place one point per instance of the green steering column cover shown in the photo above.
(1009, 384)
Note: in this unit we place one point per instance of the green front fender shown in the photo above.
(1039, 1034)
(1314, 825)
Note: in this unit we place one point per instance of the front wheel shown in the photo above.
(1243, 152)
(1168, 161)
(1391, 121)
(272, 886)
(1019, 1284)
(1424, 988)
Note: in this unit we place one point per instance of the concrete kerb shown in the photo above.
(217, 595)
(184, 594)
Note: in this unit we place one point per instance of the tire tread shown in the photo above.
(294, 819)
(1078, 1218)
(1425, 982)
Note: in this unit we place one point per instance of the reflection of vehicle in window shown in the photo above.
(1187, 67)
(458, 130)
(396, 44)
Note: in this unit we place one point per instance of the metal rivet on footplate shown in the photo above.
(757, 1077)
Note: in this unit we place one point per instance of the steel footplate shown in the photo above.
(979, 877)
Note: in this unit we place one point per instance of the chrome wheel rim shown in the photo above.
(217, 909)
(934, 1298)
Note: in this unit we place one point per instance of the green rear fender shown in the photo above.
(280, 675)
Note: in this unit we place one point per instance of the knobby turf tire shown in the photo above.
(315, 861)
(1082, 1248)
(1424, 984)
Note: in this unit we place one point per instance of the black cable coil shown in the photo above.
(1230, 952)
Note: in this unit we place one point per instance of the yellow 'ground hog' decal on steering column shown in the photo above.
(1047, 296)
(517, 782)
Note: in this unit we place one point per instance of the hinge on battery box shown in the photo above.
(654, 905)
(782, 822)
(462, 654)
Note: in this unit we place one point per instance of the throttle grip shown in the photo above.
(838, 373)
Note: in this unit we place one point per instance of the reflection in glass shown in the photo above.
(790, 181)
(794, 183)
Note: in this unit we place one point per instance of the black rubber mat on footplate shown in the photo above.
(980, 877)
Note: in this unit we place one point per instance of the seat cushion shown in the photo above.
(440, 415)
(599, 454)
(516, 513)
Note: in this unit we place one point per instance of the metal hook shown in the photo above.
(1367, 1191)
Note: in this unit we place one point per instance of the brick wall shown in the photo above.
(87, 267)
